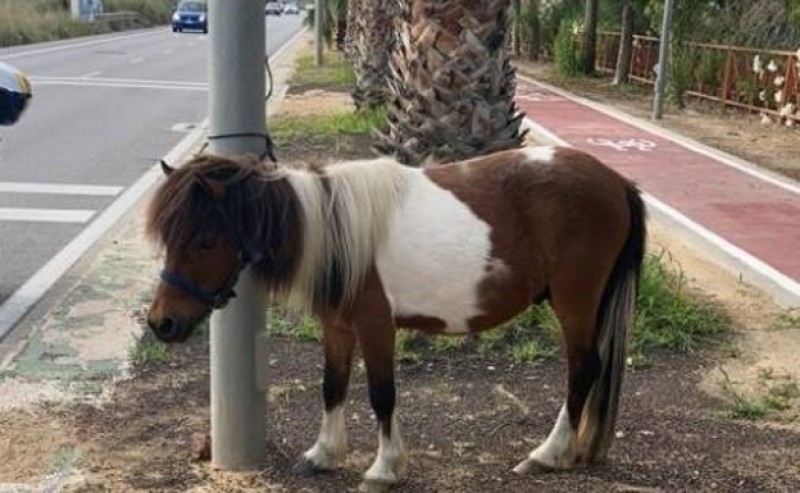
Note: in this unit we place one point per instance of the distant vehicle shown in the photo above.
(273, 8)
(190, 15)
(291, 8)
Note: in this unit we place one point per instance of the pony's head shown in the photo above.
(198, 215)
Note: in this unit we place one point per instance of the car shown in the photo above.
(190, 15)
(291, 8)
(273, 8)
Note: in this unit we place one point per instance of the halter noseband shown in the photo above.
(248, 254)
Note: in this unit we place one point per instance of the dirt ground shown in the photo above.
(463, 431)
(771, 146)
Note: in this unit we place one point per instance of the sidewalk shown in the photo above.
(746, 218)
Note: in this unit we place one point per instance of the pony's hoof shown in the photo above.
(375, 486)
(307, 468)
(532, 466)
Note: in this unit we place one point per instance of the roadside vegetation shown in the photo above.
(32, 21)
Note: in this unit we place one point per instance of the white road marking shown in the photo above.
(59, 189)
(92, 83)
(77, 45)
(45, 215)
(136, 60)
(112, 80)
(91, 74)
(169, 52)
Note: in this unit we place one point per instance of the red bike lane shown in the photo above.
(759, 216)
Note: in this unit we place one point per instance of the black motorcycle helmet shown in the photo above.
(15, 92)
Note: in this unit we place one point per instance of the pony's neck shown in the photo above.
(336, 220)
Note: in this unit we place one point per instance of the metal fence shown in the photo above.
(751, 79)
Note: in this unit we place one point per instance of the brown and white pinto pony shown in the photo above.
(370, 246)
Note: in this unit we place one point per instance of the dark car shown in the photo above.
(273, 8)
(190, 15)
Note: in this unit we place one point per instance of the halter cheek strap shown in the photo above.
(216, 300)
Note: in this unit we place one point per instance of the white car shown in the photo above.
(291, 8)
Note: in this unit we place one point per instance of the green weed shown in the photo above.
(669, 316)
(148, 351)
(297, 327)
(336, 72)
(322, 127)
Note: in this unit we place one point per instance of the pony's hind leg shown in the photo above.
(331, 445)
(577, 316)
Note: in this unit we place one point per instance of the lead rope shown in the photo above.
(269, 145)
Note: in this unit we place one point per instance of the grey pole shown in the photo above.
(663, 61)
(236, 105)
(319, 18)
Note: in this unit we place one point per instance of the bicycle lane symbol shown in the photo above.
(623, 145)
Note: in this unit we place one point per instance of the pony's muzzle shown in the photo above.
(169, 329)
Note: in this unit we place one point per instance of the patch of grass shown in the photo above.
(787, 320)
(336, 72)
(777, 398)
(322, 127)
(148, 351)
(33, 21)
(669, 315)
(297, 327)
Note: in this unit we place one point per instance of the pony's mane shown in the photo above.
(319, 228)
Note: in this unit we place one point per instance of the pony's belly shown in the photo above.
(436, 255)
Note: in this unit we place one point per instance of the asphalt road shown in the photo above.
(105, 109)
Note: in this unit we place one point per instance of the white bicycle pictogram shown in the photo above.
(624, 145)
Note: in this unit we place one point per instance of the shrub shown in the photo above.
(567, 50)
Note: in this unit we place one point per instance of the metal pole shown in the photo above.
(663, 61)
(236, 105)
(319, 20)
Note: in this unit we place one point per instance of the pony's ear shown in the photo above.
(166, 168)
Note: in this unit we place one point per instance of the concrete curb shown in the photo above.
(784, 290)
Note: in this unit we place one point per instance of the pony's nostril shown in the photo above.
(166, 329)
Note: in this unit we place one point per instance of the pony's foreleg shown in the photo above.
(331, 445)
(390, 463)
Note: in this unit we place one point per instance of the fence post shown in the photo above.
(319, 20)
(727, 80)
(663, 61)
(236, 106)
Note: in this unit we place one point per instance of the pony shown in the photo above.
(370, 246)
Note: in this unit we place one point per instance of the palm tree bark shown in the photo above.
(590, 37)
(372, 42)
(452, 85)
(625, 45)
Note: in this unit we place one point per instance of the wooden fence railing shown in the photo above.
(725, 74)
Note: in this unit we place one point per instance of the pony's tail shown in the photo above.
(615, 319)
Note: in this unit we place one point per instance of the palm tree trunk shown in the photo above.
(372, 42)
(517, 21)
(590, 37)
(535, 48)
(452, 87)
(625, 45)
